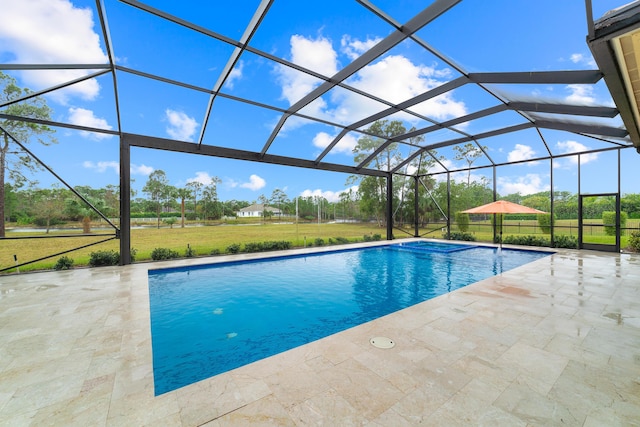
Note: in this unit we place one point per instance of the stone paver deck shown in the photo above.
(552, 343)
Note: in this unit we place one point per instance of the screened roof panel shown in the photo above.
(166, 111)
(491, 122)
(305, 139)
(314, 36)
(496, 43)
(174, 51)
(561, 142)
(342, 106)
(238, 125)
(516, 146)
(229, 19)
(305, 80)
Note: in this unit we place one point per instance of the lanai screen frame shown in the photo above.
(527, 110)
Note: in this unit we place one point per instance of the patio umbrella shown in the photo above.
(502, 207)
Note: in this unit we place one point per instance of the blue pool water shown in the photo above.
(206, 320)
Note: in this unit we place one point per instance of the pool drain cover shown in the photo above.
(382, 342)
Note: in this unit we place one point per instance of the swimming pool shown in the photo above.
(209, 319)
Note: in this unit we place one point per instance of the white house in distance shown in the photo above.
(255, 211)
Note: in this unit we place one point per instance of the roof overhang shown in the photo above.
(614, 41)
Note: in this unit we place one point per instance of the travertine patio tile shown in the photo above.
(556, 342)
(326, 409)
(288, 388)
(266, 412)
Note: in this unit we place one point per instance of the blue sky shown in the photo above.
(480, 36)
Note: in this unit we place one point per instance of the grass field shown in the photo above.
(217, 238)
(202, 239)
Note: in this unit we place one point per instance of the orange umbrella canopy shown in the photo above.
(502, 207)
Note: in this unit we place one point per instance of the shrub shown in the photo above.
(190, 252)
(215, 252)
(133, 253)
(331, 241)
(376, 237)
(253, 247)
(342, 240)
(609, 217)
(462, 221)
(159, 254)
(266, 246)
(102, 258)
(526, 241)
(63, 263)
(564, 241)
(25, 220)
(233, 248)
(544, 222)
(456, 235)
(319, 241)
(634, 241)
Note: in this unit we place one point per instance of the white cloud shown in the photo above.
(393, 77)
(236, 74)
(202, 177)
(567, 147)
(83, 117)
(579, 58)
(102, 167)
(331, 196)
(317, 55)
(181, 126)
(528, 184)
(255, 183)
(521, 152)
(141, 170)
(397, 79)
(56, 32)
(345, 145)
(580, 94)
(353, 48)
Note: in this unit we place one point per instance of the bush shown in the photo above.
(318, 242)
(544, 222)
(462, 221)
(609, 217)
(103, 258)
(526, 241)
(564, 241)
(342, 240)
(133, 253)
(267, 246)
(215, 252)
(63, 263)
(233, 248)
(190, 252)
(160, 254)
(253, 247)
(25, 220)
(370, 238)
(634, 241)
(456, 235)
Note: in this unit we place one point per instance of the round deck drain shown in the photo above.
(382, 342)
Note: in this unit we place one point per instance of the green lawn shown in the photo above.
(216, 238)
(203, 239)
